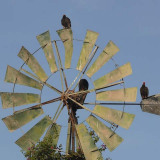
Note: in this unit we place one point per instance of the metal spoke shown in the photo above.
(59, 114)
(57, 110)
(86, 108)
(92, 90)
(45, 83)
(60, 65)
(89, 61)
(111, 103)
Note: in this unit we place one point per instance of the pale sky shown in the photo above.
(134, 26)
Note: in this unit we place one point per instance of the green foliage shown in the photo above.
(45, 150)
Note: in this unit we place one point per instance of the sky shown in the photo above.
(134, 26)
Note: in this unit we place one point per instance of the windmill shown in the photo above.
(78, 134)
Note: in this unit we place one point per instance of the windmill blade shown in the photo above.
(109, 138)
(44, 40)
(17, 99)
(90, 150)
(110, 50)
(127, 95)
(54, 132)
(34, 134)
(14, 76)
(66, 36)
(68, 143)
(32, 63)
(88, 45)
(22, 117)
(120, 118)
(113, 76)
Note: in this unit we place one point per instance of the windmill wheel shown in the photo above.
(68, 98)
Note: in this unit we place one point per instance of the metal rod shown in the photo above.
(45, 83)
(73, 121)
(89, 61)
(92, 90)
(57, 110)
(61, 67)
(87, 109)
(131, 104)
(39, 105)
(58, 114)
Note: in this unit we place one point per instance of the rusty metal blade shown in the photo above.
(88, 45)
(110, 50)
(109, 138)
(126, 94)
(66, 36)
(54, 132)
(18, 99)
(90, 150)
(22, 117)
(120, 118)
(32, 63)
(113, 76)
(34, 134)
(14, 76)
(44, 40)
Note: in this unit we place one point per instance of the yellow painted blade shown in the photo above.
(88, 45)
(89, 148)
(113, 76)
(44, 40)
(54, 132)
(22, 117)
(14, 76)
(17, 99)
(109, 138)
(32, 63)
(110, 50)
(34, 134)
(127, 95)
(120, 118)
(66, 36)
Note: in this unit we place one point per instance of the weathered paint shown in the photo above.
(66, 36)
(110, 50)
(22, 117)
(127, 95)
(12, 76)
(54, 131)
(18, 99)
(34, 134)
(109, 138)
(113, 76)
(123, 119)
(90, 150)
(44, 40)
(151, 104)
(32, 63)
(68, 138)
(88, 45)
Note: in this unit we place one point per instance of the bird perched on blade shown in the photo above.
(65, 21)
(144, 91)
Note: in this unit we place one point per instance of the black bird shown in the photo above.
(144, 91)
(65, 21)
(83, 85)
